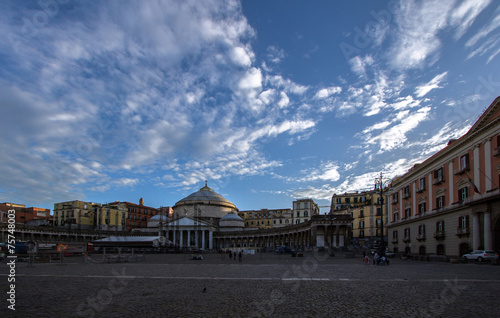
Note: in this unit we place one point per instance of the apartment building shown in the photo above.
(75, 214)
(450, 203)
(303, 210)
(266, 219)
(367, 209)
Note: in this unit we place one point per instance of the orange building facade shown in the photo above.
(450, 203)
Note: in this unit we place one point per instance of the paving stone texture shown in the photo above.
(263, 285)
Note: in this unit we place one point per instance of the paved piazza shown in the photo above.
(263, 285)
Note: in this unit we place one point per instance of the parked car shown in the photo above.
(480, 255)
(284, 249)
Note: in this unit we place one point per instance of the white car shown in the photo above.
(480, 255)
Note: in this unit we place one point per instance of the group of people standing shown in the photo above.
(377, 259)
(232, 255)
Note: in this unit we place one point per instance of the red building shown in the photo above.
(139, 214)
(23, 214)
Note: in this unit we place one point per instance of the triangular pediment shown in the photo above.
(186, 221)
(489, 115)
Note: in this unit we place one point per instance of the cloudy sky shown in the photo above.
(269, 101)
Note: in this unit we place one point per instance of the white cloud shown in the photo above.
(419, 25)
(422, 90)
(240, 56)
(464, 15)
(284, 101)
(395, 136)
(327, 92)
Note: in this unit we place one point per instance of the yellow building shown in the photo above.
(366, 210)
(266, 219)
(75, 214)
(112, 217)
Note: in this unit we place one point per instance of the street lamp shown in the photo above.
(379, 185)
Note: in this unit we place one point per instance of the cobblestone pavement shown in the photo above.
(263, 285)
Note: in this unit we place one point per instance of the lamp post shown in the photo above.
(379, 185)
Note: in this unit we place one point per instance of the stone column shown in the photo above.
(203, 239)
(210, 239)
(476, 235)
(487, 165)
(488, 242)
(188, 238)
(196, 238)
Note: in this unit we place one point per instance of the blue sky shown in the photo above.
(270, 101)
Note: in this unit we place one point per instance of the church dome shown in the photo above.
(205, 196)
(204, 203)
(231, 221)
(157, 220)
(231, 217)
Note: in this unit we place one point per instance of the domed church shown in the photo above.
(204, 205)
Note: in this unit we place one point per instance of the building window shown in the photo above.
(395, 197)
(439, 226)
(463, 193)
(421, 185)
(305, 205)
(379, 211)
(378, 222)
(347, 200)
(361, 214)
(298, 214)
(362, 233)
(463, 222)
(421, 208)
(356, 200)
(421, 230)
(339, 200)
(306, 214)
(407, 213)
(394, 236)
(438, 175)
(407, 234)
(395, 217)
(361, 224)
(440, 202)
(298, 221)
(464, 163)
(363, 199)
(406, 192)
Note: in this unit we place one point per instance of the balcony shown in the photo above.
(463, 231)
(420, 190)
(406, 239)
(496, 152)
(438, 180)
(439, 235)
(394, 241)
(462, 170)
(421, 237)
